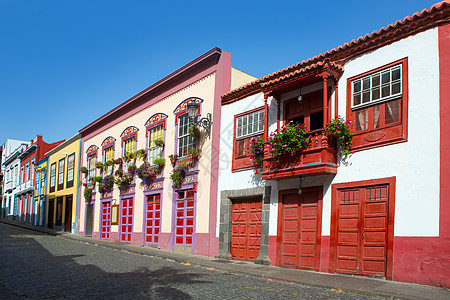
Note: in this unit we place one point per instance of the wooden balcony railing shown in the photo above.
(320, 158)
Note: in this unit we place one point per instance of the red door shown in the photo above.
(126, 226)
(184, 223)
(106, 220)
(246, 229)
(362, 230)
(300, 231)
(153, 215)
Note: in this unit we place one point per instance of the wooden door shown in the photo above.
(300, 231)
(153, 219)
(89, 219)
(68, 215)
(362, 233)
(246, 229)
(126, 226)
(106, 220)
(184, 222)
(51, 208)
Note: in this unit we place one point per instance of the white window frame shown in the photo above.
(185, 141)
(108, 169)
(52, 175)
(61, 169)
(367, 87)
(70, 167)
(249, 125)
(154, 151)
(92, 159)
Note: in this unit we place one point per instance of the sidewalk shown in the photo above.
(355, 284)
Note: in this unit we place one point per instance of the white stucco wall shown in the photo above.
(415, 163)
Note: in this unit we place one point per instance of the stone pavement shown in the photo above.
(355, 284)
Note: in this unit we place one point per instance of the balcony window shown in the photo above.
(61, 169)
(153, 150)
(108, 155)
(377, 105)
(247, 125)
(91, 166)
(185, 141)
(70, 170)
(52, 177)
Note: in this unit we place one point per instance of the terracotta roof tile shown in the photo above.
(410, 25)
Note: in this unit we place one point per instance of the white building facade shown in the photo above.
(380, 211)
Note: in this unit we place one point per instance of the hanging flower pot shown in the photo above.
(173, 158)
(194, 131)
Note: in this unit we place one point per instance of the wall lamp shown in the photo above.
(300, 96)
(193, 115)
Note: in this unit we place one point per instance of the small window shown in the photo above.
(377, 105)
(108, 155)
(52, 177)
(91, 166)
(153, 150)
(70, 170)
(185, 141)
(61, 169)
(247, 126)
(129, 145)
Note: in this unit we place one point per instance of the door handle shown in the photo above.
(299, 235)
(362, 236)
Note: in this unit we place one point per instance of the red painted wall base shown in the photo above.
(422, 260)
(325, 254)
(273, 249)
(114, 236)
(164, 241)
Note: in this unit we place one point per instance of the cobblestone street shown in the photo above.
(36, 266)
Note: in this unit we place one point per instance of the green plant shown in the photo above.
(128, 157)
(123, 181)
(87, 194)
(256, 150)
(106, 184)
(145, 172)
(131, 169)
(291, 139)
(140, 154)
(119, 172)
(84, 170)
(159, 142)
(160, 161)
(99, 165)
(118, 161)
(178, 174)
(173, 158)
(98, 179)
(194, 131)
(109, 163)
(194, 152)
(341, 130)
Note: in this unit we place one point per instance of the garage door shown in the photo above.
(246, 229)
(362, 230)
(300, 221)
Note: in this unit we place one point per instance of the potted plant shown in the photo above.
(178, 174)
(194, 131)
(145, 172)
(159, 161)
(106, 184)
(84, 170)
(118, 161)
(159, 142)
(291, 138)
(87, 194)
(99, 165)
(128, 157)
(131, 169)
(140, 154)
(173, 158)
(109, 163)
(98, 179)
(194, 152)
(123, 181)
(256, 150)
(341, 130)
(119, 172)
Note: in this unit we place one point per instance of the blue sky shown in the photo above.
(64, 63)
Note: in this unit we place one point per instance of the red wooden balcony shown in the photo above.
(320, 158)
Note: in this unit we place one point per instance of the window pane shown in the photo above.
(366, 83)
(376, 116)
(396, 88)
(357, 99)
(361, 119)
(396, 74)
(376, 94)
(241, 147)
(376, 80)
(366, 97)
(386, 77)
(392, 111)
(385, 91)
(356, 86)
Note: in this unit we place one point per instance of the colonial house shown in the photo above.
(295, 193)
(150, 169)
(10, 168)
(62, 185)
(27, 206)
